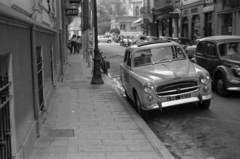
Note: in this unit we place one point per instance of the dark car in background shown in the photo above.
(220, 55)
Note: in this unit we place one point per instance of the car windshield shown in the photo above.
(230, 48)
(158, 55)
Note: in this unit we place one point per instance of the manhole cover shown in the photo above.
(61, 133)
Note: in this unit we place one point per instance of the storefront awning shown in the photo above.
(137, 21)
(208, 9)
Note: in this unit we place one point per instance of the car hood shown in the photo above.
(167, 71)
(232, 59)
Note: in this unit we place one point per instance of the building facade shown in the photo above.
(32, 51)
(227, 17)
(166, 17)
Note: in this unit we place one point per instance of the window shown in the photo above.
(201, 48)
(157, 55)
(230, 48)
(127, 58)
(211, 49)
(5, 98)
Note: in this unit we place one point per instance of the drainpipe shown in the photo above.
(58, 48)
(35, 79)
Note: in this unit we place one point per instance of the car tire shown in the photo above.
(143, 113)
(205, 104)
(109, 41)
(221, 86)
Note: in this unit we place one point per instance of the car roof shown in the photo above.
(221, 37)
(152, 44)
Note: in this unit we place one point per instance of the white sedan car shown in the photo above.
(104, 39)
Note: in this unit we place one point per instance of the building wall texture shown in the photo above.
(24, 26)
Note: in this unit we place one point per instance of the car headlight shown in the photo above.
(204, 78)
(236, 70)
(148, 88)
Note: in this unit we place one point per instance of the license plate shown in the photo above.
(183, 96)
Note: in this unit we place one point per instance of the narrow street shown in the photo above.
(187, 131)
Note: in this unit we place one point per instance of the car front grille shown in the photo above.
(177, 88)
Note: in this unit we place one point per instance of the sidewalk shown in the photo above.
(93, 122)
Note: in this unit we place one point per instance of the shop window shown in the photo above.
(208, 24)
(227, 24)
(185, 27)
(195, 28)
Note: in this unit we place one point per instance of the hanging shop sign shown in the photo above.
(194, 10)
(234, 3)
(72, 11)
(185, 12)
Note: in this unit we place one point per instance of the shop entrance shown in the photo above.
(195, 28)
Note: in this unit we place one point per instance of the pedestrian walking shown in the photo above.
(74, 44)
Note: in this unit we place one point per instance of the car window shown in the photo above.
(229, 48)
(125, 56)
(155, 55)
(129, 59)
(142, 38)
(211, 49)
(201, 48)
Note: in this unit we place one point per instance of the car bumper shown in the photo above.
(160, 105)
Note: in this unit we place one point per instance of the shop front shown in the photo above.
(192, 19)
(228, 17)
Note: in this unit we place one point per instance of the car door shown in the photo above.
(200, 54)
(126, 70)
(212, 58)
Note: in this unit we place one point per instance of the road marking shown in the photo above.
(218, 120)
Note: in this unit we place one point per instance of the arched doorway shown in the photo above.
(185, 27)
(195, 28)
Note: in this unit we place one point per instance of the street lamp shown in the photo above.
(97, 76)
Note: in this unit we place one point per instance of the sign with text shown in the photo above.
(72, 11)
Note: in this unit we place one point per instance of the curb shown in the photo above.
(157, 145)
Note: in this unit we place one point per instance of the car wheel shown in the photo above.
(221, 86)
(205, 104)
(143, 113)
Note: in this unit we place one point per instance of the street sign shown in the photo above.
(72, 11)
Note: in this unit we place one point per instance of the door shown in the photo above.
(126, 69)
(200, 54)
(212, 59)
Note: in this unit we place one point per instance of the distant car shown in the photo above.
(191, 49)
(165, 38)
(102, 38)
(137, 39)
(184, 42)
(127, 41)
(152, 38)
(158, 74)
(220, 55)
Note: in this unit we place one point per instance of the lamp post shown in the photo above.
(97, 76)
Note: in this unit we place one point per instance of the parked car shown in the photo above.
(158, 74)
(220, 55)
(191, 49)
(127, 41)
(152, 38)
(139, 39)
(166, 38)
(102, 38)
(184, 42)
